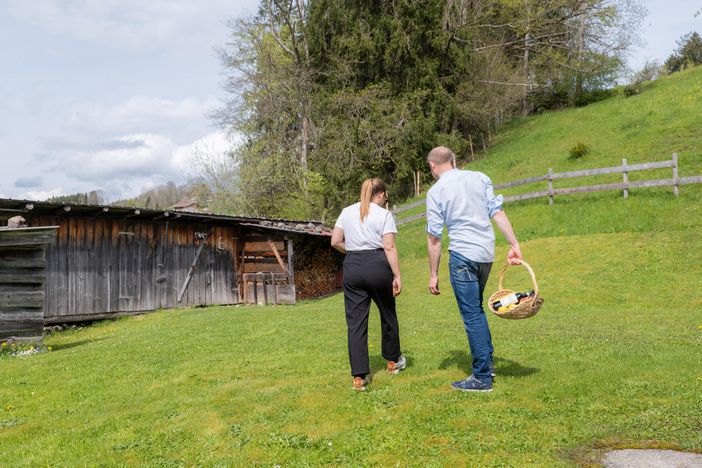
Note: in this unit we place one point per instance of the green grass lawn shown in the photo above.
(612, 360)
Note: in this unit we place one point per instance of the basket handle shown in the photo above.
(531, 272)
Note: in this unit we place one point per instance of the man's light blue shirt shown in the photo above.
(465, 202)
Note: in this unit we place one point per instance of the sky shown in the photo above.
(115, 94)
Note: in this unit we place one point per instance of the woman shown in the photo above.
(366, 233)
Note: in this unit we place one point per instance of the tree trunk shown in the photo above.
(527, 37)
(578, 92)
(303, 153)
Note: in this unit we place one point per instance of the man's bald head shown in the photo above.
(441, 155)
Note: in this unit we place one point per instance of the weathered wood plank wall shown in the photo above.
(23, 273)
(102, 267)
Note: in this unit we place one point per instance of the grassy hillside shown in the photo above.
(612, 359)
(665, 118)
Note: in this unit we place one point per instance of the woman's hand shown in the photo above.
(396, 286)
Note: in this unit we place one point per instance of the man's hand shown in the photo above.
(396, 286)
(514, 256)
(434, 285)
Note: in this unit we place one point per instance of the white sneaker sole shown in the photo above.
(396, 370)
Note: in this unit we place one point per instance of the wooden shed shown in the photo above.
(110, 261)
(23, 271)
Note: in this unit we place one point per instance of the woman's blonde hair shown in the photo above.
(369, 189)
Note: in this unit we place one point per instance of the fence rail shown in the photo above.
(624, 186)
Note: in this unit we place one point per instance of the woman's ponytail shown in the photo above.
(366, 195)
(369, 189)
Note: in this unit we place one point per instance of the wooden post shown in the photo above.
(265, 290)
(484, 147)
(255, 288)
(676, 190)
(470, 140)
(550, 186)
(274, 282)
(625, 176)
(291, 270)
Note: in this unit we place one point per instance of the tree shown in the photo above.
(688, 54)
(327, 93)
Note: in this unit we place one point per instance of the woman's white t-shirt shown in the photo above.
(366, 235)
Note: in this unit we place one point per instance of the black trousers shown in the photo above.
(367, 276)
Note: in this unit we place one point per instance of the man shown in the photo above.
(464, 201)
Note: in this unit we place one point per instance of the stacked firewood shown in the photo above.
(317, 272)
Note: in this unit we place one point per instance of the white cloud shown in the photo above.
(185, 119)
(137, 23)
(212, 147)
(41, 195)
(125, 149)
(128, 165)
(141, 154)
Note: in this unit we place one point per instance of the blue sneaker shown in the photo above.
(471, 384)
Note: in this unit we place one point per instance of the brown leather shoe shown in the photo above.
(359, 383)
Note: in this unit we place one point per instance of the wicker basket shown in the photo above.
(525, 309)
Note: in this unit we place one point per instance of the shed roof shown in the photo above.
(12, 207)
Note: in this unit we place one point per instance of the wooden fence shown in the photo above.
(550, 176)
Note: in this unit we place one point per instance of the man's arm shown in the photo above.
(514, 257)
(435, 226)
(337, 240)
(434, 247)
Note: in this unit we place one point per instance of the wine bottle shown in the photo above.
(514, 298)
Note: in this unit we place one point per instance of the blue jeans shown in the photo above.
(468, 280)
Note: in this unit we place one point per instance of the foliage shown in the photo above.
(21, 348)
(688, 54)
(160, 197)
(650, 71)
(579, 150)
(328, 93)
(95, 197)
(663, 120)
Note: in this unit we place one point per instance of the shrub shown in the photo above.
(632, 89)
(579, 150)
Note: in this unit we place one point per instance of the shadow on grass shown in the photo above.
(461, 359)
(60, 347)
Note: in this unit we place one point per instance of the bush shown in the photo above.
(632, 89)
(688, 54)
(579, 150)
(650, 71)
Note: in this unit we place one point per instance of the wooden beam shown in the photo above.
(63, 210)
(29, 206)
(192, 267)
(101, 211)
(515, 183)
(277, 256)
(291, 270)
(133, 214)
(165, 214)
(411, 218)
